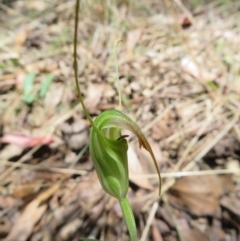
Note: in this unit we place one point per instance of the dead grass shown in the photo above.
(181, 83)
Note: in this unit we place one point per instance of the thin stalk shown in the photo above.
(75, 67)
(129, 218)
(118, 81)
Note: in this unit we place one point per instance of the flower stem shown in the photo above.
(129, 218)
(75, 68)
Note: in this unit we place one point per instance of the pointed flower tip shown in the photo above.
(143, 142)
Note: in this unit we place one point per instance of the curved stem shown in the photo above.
(75, 67)
(129, 218)
(118, 81)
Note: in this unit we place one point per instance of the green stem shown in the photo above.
(129, 218)
(118, 81)
(75, 67)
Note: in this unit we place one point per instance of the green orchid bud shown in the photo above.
(109, 155)
(109, 151)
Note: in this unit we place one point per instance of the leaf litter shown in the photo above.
(178, 71)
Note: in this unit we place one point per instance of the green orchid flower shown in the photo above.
(108, 149)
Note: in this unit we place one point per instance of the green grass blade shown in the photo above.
(28, 95)
(45, 85)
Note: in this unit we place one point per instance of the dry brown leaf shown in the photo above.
(37, 117)
(25, 223)
(231, 36)
(89, 189)
(53, 96)
(60, 215)
(38, 5)
(162, 226)
(160, 130)
(23, 191)
(7, 201)
(66, 128)
(10, 151)
(135, 168)
(47, 65)
(190, 234)
(197, 194)
(192, 68)
(5, 226)
(69, 229)
(236, 85)
(157, 151)
(77, 141)
(30, 216)
(156, 232)
(165, 215)
(20, 38)
(94, 95)
(133, 37)
(231, 219)
(79, 126)
(232, 204)
(228, 183)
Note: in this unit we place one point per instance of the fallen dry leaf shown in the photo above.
(20, 38)
(7, 201)
(192, 68)
(228, 35)
(133, 37)
(156, 232)
(231, 219)
(94, 95)
(10, 151)
(197, 194)
(190, 234)
(23, 191)
(5, 226)
(69, 229)
(53, 97)
(61, 214)
(135, 168)
(165, 215)
(37, 117)
(228, 183)
(162, 226)
(231, 203)
(157, 152)
(30, 216)
(37, 5)
(160, 130)
(77, 141)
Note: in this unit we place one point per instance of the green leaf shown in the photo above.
(28, 95)
(45, 85)
(29, 98)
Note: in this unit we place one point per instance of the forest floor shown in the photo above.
(179, 69)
